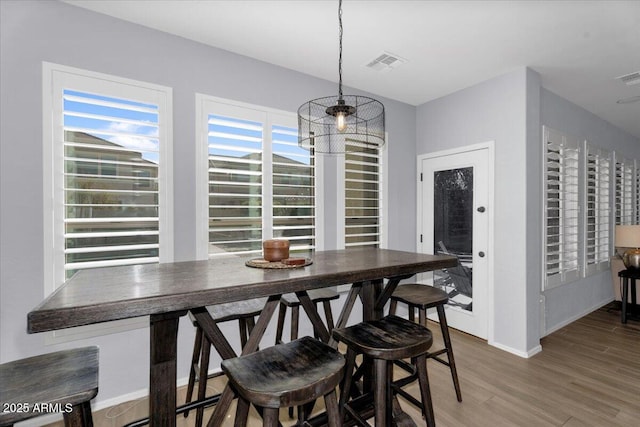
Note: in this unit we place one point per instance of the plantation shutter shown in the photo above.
(111, 188)
(261, 185)
(624, 191)
(293, 184)
(362, 198)
(598, 209)
(637, 194)
(235, 182)
(561, 207)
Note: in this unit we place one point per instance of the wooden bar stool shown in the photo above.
(286, 375)
(317, 296)
(64, 381)
(422, 297)
(385, 341)
(242, 311)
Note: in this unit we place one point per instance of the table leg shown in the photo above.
(625, 295)
(385, 294)
(162, 371)
(369, 296)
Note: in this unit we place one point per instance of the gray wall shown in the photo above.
(495, 110)
(511, 110)
(51, 31)
(569, 302)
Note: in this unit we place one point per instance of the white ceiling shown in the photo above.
(578, 47)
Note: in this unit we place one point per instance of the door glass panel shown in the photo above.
(453, 232)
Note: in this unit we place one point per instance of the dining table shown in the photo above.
(167, 291)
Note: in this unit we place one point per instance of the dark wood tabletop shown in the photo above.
(111, 293)
(167, 291)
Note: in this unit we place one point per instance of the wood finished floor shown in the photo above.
(588, 375)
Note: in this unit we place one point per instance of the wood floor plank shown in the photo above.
(587, 375)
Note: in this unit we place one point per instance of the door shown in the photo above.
(454, 219)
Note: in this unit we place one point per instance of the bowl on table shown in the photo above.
(275, 250)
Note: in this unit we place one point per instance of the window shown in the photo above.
(586, 191)
(293, 179)
(637, 194)
(362, 198)
(623, 196)
(598, 209)
(259, 183)
(107, 144)
(561, 208)
(362, 205)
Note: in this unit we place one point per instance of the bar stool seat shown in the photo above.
(64, 381)
(423, 297)
(286, 375)
(242, 311)
(385, 341)
(317, 296)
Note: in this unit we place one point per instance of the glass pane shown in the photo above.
(453, 232)
(111, 192)
(362, 198)
(293, 190)
(235, 185)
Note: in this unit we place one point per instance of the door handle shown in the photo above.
(481, 254)
(481, 209)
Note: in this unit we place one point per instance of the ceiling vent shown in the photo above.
(630, 79)
(385, 62)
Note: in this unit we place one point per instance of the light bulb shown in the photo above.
(341, 122)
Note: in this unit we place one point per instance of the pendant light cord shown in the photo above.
(340, 57)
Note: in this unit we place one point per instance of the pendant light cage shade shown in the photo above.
(362, 129)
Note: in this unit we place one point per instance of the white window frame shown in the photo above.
(207, 104)
(384, 197)
(56, 78)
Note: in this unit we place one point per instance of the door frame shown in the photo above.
(490, 147)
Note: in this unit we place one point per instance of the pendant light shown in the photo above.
(343, 123)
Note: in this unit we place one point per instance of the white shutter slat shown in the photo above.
(104, 148)
(239, 125)
(126, 106)
(110, 263)
(114, 163)
(110, 220)
(110, 248)
(111, 133)
(97, 234)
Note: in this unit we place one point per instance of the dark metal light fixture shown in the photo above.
(343, 123)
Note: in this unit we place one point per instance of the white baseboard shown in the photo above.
(524, 354)
(577, 316)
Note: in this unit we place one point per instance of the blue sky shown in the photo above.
(130, 124)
